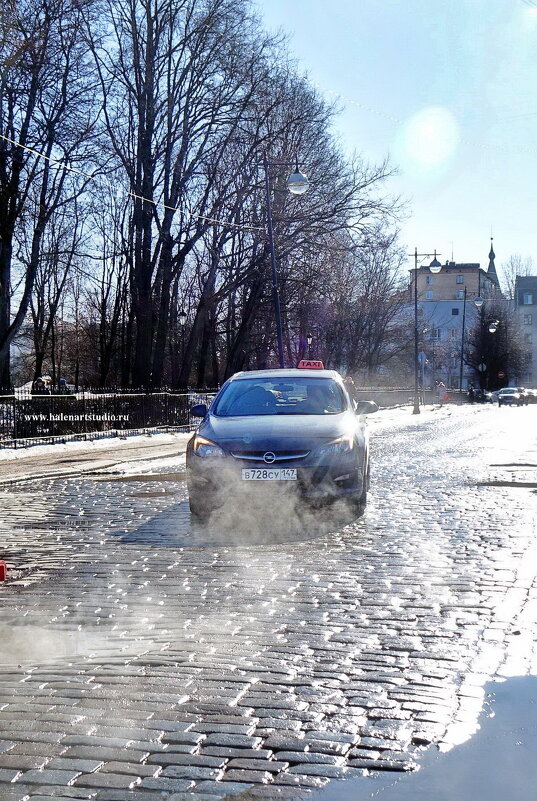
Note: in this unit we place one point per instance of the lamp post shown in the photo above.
(462, 344)
(297, 184)
(434, 267)
(478, 302)
(309, 340)
(182, 317)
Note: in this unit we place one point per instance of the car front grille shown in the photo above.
(279, 456)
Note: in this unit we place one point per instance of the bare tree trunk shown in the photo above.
(237, 354)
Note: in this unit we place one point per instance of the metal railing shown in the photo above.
(395, 397)
(28, 419)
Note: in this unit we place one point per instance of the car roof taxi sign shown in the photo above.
(310, 364)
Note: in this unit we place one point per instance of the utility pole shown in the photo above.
(462, 343)
(434, 267)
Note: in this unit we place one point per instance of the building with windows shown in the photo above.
(526, 312)
(446, 312)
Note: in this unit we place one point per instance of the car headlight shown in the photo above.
(207, 449)
(338, 447)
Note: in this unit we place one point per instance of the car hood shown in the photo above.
(265, 431)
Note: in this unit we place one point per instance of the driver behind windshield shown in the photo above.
(255, 400)
(310, 396)
(317, 401)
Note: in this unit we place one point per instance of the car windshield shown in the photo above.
(259, 396)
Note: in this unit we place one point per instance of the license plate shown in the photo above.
(269, 474)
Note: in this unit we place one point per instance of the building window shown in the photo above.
(429, 279)
(435, 333)
(453, 332)
(454, 312)
(528, 319)
(528, 338)
(460, 294)
(460, 279)
(527, 299)
(429, 294)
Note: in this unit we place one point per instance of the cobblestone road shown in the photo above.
(143, 656)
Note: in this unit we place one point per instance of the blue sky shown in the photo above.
(447, 89)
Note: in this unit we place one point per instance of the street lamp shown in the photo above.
(297, 184)
(435, 267)
(182, 318)
(309, 340)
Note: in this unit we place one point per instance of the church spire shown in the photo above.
(492, 267)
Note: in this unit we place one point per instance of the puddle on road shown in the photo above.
(497, 764)
(177, 476)
(150, 494)
(515, 464)
(498, 483)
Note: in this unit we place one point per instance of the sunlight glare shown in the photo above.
(431, 136)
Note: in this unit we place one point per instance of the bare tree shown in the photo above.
(176, 78)
(45, 108)
(189, 95)
(502, 351)
(107, 292)
(61, 240)
(515, 265)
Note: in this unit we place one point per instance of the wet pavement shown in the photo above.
(498, 763)
(275, 649)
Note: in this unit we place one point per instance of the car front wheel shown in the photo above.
(358, 503)
(201, 506)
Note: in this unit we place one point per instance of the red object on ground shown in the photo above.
(3, 571)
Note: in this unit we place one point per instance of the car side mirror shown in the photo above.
(199, 410)
(366, 407)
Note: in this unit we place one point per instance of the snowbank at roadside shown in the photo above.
(118, 444)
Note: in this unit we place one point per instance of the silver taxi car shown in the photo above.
(294, 428)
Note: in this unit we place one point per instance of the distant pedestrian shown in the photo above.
(441, 392)
(471, 393)
(63, 387)
(40, 388)
(350, 386)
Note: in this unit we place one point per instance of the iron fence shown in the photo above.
(27, 418)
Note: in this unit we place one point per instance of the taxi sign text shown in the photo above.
(309, 364)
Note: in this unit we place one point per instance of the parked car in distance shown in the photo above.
(524, 394)
(480, 396)
(510, 396)
(532, 395)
